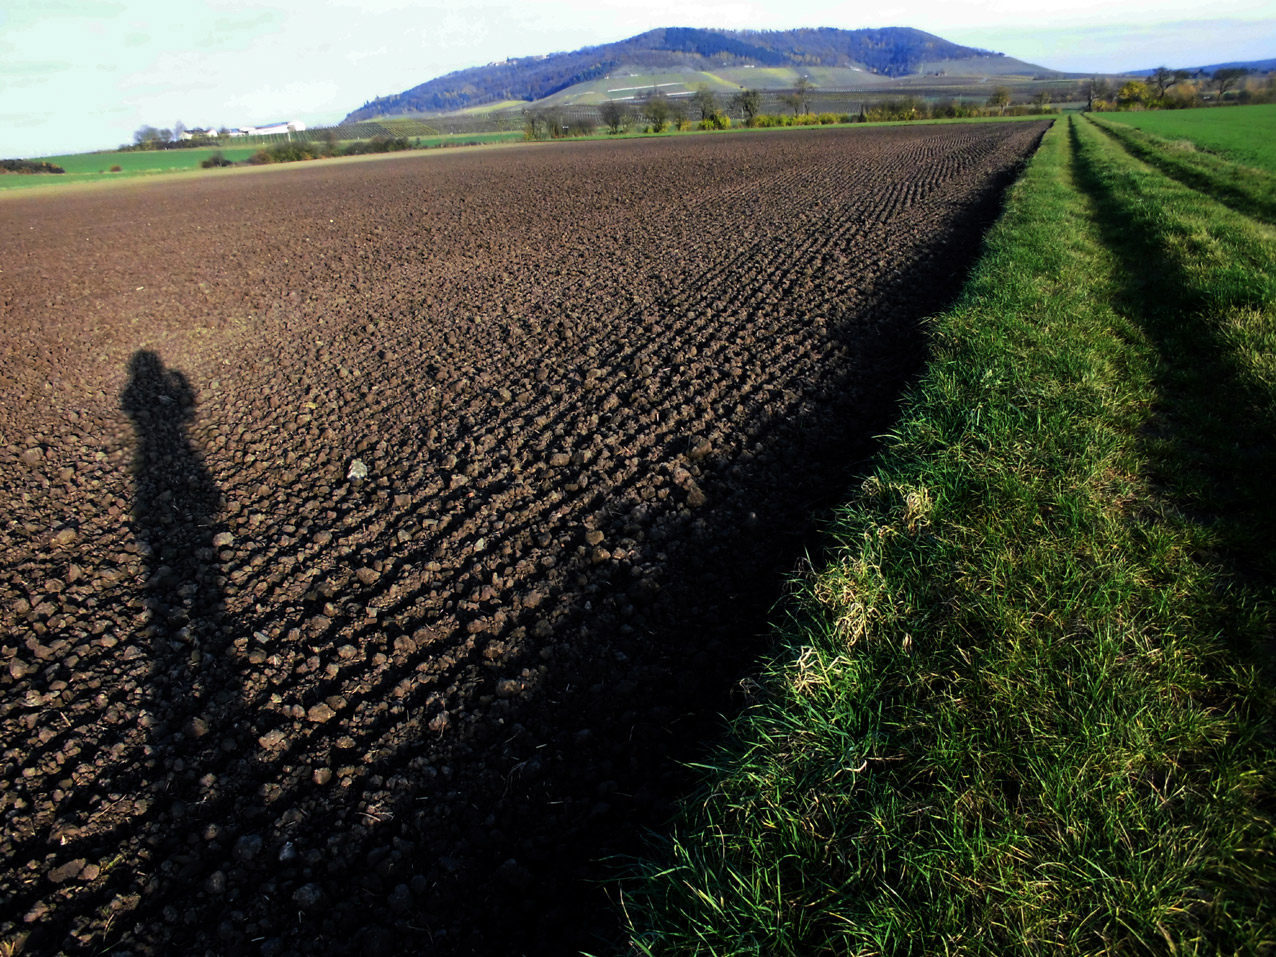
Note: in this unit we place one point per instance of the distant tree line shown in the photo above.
(1166, 89)
(327, 146)
(657, 112)
(152, 138)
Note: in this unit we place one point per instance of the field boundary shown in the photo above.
(1024, 702)
(443, 143)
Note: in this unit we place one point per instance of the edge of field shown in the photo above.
(178, 175)
(44, 184)
(1024, 701)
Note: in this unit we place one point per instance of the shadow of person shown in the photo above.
(194, 692)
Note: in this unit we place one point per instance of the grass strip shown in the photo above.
(1245, 189)
(1246, 134)
(1026, 704)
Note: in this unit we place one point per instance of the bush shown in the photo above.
(28, 166)
(216, 161)
(117, 168)
(552, 125)
(284, 153)
(378, 144)
(718, 120)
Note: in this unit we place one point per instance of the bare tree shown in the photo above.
(1163, 78)
(749, 103)
(1228, 77)
(146, 137)
(799, 99)
(705, 102)
(1000, 99)
(657, 111)
(1096, 88)
(614, 115)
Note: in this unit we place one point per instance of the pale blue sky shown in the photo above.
(78, 75)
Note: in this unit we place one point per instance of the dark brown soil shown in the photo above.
(251, 705)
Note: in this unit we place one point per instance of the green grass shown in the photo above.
(1025, 704)
(1246, 134)
(94, 167)
(145, 161)
(1244, 188)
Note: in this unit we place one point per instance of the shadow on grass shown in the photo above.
(1211, 438)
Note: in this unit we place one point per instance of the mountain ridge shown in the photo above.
(884, 51)
(1255, 66)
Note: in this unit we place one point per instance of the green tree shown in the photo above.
(1000, 99)
(749, 103)
(1133, 93)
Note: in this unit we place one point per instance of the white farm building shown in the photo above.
(284, 126)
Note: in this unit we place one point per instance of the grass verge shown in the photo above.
(1026, 705)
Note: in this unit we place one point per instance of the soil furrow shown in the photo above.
(255, 705)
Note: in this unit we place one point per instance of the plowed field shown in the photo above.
(254, 703)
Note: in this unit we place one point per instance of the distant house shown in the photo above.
(284, 126)
(198, 134)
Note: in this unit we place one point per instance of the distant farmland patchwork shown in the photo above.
(386, 535)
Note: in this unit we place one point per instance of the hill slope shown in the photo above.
(1254, 66)
(890, 52)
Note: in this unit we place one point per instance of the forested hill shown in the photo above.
(891, 51)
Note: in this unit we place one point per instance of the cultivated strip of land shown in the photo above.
(258, 696)
(1024, 702)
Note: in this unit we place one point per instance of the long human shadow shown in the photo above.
(175, 508)
(194, 694)
(188, 695)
